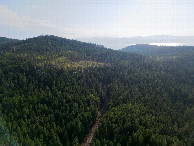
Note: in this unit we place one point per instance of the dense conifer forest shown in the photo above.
(52, 91)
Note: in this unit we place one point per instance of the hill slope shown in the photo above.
(62, 52)
(154, 50)
(4, 40)
(43, 101)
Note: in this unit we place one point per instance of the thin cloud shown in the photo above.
(10, 18)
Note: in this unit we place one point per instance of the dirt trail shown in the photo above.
(88, 139)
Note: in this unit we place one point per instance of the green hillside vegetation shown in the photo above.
(52, 50)
(52, 90)
(160, 52)
(4, 40)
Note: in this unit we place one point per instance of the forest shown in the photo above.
(52, 91)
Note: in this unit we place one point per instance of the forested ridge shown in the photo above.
(4, 40)
(52, 90)
(160, 52)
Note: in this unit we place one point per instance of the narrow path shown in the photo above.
(88, 139)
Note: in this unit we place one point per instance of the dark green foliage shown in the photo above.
(48, 48)
(151, 100)
(129, 124)
(46, 106)
(160, 51)
(4, 40)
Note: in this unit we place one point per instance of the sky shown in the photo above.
(96, 18)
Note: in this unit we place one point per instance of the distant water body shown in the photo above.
(118, 46)
(168, 44)
(165, 44)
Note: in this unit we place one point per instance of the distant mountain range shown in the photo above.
(118, 43)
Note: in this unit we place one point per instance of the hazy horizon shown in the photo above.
(119, 43)
(103, 18)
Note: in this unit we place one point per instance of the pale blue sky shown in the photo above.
(96, 18)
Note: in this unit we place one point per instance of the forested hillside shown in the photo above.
(59, 52)
(4, 40)
(52, 91)
(160, 51)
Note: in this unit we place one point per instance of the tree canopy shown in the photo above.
(52, 90)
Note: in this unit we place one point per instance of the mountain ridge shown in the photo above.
(64, 51)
